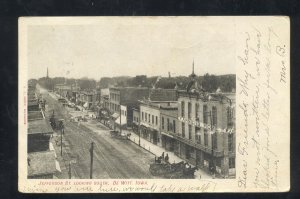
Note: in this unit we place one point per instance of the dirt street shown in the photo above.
(113, 158)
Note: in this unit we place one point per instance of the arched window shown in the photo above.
(205, 114)
(214, 116)
(197, 111)
(229, 117)
(182, 109)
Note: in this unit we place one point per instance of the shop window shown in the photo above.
(218, 162)
(231, 163)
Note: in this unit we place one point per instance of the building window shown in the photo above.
(152, 119)
(190, 132)
(162, 122)
(229, 117)
(146, 117)
(174, 126)
(125, 113)
(143, 116)
(214, 141)
(205, 138)
(205, 114)
(182, 109)
(197, 111)
(231, 163)
(230, 142)
(198, 135)
(149, 118)
(156, 120)
(183, 129)
(168, 124)
(214, 116)
(137, 119)
(189, 110)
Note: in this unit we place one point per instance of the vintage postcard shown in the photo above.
(154, 104)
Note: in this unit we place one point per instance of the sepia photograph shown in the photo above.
(154, 104)
(144, 103)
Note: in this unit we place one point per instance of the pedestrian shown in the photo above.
(167, 158)
(163, 155)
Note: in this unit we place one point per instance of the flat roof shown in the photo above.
(41, 163)
(35, 115)
(39, 127)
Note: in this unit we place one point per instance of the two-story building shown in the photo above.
(150, 113)
(168, 127)
(122, 102)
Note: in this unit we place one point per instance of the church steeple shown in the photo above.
(193, 75)
(47, 74)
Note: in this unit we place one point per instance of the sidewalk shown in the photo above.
(157, 150)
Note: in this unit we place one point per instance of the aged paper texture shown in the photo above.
(154, 104)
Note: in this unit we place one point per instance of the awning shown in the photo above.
(145, 125)
(123, 120)
(115, 115)
(166, 134)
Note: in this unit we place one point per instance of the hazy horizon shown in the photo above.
(124, 46)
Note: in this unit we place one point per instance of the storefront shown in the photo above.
(168, 141)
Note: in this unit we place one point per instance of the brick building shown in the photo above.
(206, 130)
(127, 98)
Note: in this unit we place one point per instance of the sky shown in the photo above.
(131, 46)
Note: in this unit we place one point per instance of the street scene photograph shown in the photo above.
(131, 100)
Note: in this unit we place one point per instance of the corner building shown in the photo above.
(206, 131)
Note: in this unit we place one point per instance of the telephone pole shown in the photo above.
(61, 132)
(92, 155)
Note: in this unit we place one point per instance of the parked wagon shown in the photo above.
(118, 134)
(172, 170)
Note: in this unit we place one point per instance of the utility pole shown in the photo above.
(70, 170)
(61, 132)
(139, 129)
(92, 155)
(120, 118)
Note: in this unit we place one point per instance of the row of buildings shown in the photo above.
(41, 159)
(89, 99)
(197, 126)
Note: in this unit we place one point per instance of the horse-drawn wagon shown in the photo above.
(168, 170)
(118, 134)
